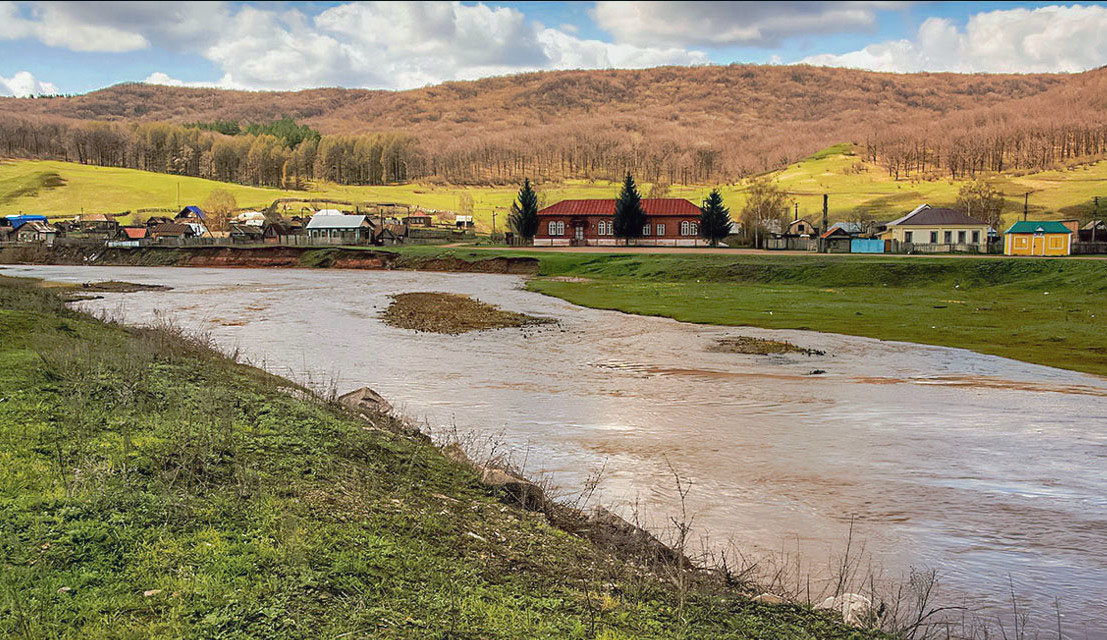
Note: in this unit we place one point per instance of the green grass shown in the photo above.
(150, 487)
(852, 185)
(1051, 312)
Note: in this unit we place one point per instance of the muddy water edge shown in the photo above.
(989, 470)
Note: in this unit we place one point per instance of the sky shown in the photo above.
(76, 47)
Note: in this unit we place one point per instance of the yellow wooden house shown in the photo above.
(1029, 238)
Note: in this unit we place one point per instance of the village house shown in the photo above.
(190, 213)
(340, 229)
(92, 226)
(1094, 231)
(390, 234)
(246, 233)
(129, 237)
(935, 230)
(16, 221)
(801, 228)
(1029, 238)
(171, 231)
(838, 237)
(671, 222)
(274, 229)
(252, 218)
(36, 231)
(133, 233)
(419, 220)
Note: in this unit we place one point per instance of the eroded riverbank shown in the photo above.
(987, 469)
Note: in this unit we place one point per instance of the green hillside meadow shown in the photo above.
(61, 188)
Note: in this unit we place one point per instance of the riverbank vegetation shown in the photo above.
(153, 487)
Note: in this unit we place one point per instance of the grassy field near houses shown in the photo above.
(1051, 312)
(855, 187)
(150, 487)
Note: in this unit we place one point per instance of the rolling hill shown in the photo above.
(854, 185)
(678, 124)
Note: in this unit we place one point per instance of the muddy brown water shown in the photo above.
(992, 471)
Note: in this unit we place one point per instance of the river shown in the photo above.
(992, 471)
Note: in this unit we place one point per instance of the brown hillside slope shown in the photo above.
(678, 124)
(694, 96)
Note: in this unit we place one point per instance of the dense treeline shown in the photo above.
(1032, 134)
(961, 153)
(671, 125)
(269, 160)
(255, 159)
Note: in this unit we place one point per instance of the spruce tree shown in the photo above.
(629, 215)
(714, 218)
(524, 212)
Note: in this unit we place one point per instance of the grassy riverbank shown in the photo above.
(150, 487)
(1051, 312)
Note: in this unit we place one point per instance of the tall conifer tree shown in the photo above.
(714, 218)
(524, 212)
(629, 215)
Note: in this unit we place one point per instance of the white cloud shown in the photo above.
(57, 26)
(160, 77)
(23, 85)
(1042, 40)
(762, 24)
(373, 44)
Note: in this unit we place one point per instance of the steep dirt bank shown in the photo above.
(335, 258)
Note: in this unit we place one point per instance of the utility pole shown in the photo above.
(1095, 216)
(178, 195)
(1025, 205)
(826, 223)
(797, 211)
(493, 222)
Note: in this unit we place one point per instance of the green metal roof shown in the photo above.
(1029, 226)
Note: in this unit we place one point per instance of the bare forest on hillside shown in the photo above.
(672, 125)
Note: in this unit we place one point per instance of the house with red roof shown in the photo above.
(670, 222)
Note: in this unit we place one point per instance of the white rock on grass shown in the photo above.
(854, 607)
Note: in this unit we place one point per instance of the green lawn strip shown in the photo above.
(152, 488)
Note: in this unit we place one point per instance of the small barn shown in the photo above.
(1029, 238)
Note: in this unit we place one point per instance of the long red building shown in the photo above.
(671, 222)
